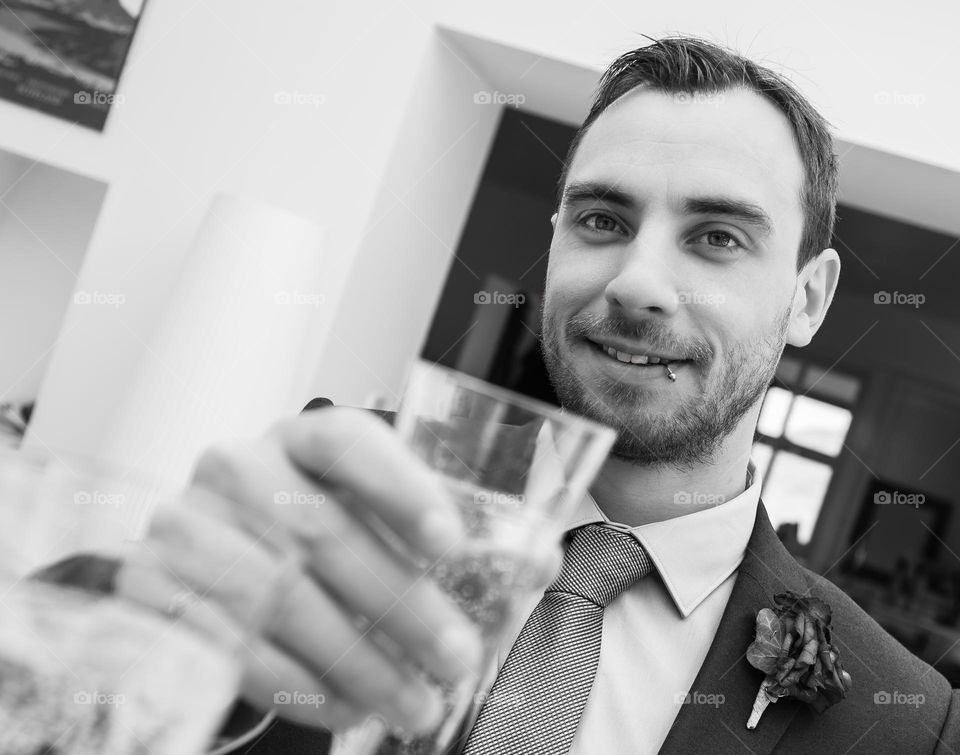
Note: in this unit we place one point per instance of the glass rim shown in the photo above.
(507, 396)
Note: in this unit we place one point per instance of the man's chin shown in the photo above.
(650, 431)
(603, 396)
(624, 410)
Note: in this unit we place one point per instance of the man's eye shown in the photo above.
(599, 223)
(721, 240)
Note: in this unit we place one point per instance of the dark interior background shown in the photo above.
(901, 563)
(508, 235)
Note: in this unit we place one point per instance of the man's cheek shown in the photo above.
(559, 303)
(573, 293)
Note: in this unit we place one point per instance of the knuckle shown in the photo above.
(165, 525)
(326, 537)
(217, 467)
(280, 428)
(330, 433)
(338, 422)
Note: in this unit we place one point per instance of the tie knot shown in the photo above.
(600, 563)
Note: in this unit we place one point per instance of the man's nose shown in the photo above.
(646, 278)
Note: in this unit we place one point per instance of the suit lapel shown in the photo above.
(767, 569)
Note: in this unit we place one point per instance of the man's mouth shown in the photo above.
(635, 356)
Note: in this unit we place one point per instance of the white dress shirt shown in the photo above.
(657, 634)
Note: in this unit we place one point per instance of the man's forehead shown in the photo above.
(737, 142)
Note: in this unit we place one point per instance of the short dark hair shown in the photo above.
(689, 65)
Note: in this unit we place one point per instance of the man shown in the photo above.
(691, 243)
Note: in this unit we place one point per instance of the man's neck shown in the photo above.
(633, 494)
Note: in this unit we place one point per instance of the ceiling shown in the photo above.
(871, 179)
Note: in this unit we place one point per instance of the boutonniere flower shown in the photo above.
(794, 649)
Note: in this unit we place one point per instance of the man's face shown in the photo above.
(677, 237)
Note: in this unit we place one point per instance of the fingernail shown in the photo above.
(441, 528)
(424, 712)
(464, 647)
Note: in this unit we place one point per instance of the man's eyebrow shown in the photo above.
(746, 212)
(595, 191)
(736, 209)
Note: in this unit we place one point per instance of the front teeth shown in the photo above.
(631, 358)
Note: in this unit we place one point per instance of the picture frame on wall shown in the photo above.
(64, 57)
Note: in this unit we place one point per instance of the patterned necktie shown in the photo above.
(537, 700)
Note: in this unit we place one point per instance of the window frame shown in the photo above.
(782, 444)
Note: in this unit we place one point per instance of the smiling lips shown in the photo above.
(638, 359)
(629, 358)
(633, 358)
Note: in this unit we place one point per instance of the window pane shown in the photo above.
(774, 412)
(761, 457)
(831, 385)
(818, 425)
(794, 492)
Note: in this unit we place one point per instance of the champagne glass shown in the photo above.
(84, 669)
(516, 469)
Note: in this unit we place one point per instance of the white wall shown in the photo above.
(200, 117)
(389, 161)
(841, 54)
(46, 219)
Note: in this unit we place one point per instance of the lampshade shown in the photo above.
(223, 361)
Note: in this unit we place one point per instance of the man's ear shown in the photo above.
(553, 220)
(816, 284)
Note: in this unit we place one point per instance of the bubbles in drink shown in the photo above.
(489, 573)
(483, 584)
(85, 675)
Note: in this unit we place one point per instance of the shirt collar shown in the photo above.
(696, 552)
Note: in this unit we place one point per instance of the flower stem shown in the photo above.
(759, 706)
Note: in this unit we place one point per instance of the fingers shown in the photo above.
(356, 520)
(402, 603)
(352, 450)
(314, 642)
(188, 555)
(273, 680)
(353, 565)
(358, 670)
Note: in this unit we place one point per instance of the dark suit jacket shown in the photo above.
(862, 723)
